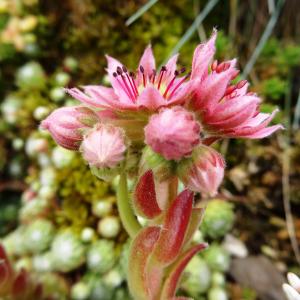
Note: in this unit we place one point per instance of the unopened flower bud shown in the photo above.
(203, 172)
(173, 133)
(104, 146)
(67, 124)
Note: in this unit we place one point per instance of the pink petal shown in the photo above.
(174, 229)
(171, 283)
(151, 99)
(148, 61)
(203, 55)
(237, 119)
(248, 130)
(144, 199)
(264, 132)
(139, 253)
(116, 82)
(210, 91)
(231, 107)
(171, 66)
(182, 94)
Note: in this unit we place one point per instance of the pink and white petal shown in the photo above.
(112, 64)
(243, 91)
(101, 92)
(148, 63)
(210, 91)
(171, 66)
(236, 120)
(116, 82)
(203, 55)
(151, 99)
(232, 107)
(182, 94)
(82, 97)
(264, 132)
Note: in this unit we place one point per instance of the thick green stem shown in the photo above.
(127, 216)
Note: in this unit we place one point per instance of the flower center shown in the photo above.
(162, 81)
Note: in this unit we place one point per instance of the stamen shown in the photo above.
(214, 65)
(180, 83)
(143, 72)
(220, 67)
(161, 74)
(132, 97)
(176, 73)
(230, 89)
(241, 84)
(119, 70)
(154, 75)
(132, 76)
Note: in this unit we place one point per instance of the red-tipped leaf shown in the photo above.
(171, 283)
(174, 229)
(139, 254)
(20, 285)
(144, 199)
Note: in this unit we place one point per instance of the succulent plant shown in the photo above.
(39, 235)
(67, 251)
(197, 277)
(218, 219)
(217, 258)
(101, 256)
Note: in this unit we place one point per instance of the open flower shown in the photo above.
(173, 133)
(144, 89)
(67, 124)
(226, 109)
(203, 172)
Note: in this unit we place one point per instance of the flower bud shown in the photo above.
(203, 172)
(66, 125)
(173, 133)
(104, 146)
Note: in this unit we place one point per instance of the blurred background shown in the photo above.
(60, 223)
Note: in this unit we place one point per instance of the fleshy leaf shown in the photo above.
(195, 221)
(144, 199)
(19, 285)
(139, 253)
(171, 283)
(174, 229)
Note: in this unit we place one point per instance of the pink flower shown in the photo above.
(226, 109)
(173, 133)
(104, 146)
(204, 172)
(145, 89)
(66, 125)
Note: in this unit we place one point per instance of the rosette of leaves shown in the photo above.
(218, 219)
(67, 251)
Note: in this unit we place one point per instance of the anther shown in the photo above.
(241, 84)
(115, 74)
(214, 65)
(124, 69)
(119, 70)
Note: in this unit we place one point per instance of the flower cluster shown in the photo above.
(177, 115)
(158, 125)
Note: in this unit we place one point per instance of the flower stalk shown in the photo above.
(127, 215)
